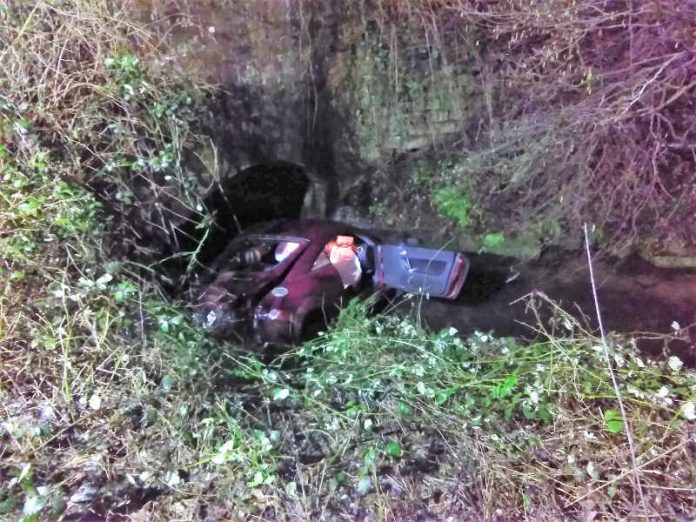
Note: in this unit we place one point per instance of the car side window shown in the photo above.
(321, 261)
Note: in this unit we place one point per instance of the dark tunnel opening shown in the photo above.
(262, 192)
(259, 193)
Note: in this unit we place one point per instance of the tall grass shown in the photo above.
(530, 431)
(112, 402)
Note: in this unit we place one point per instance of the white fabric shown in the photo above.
(346, 262)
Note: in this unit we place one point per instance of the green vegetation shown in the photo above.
(452, 204)
(492, 240)
(552, 127)
(113, 402)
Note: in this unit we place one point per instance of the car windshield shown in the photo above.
(261, 253)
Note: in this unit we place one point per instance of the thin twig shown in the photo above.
(629, 434)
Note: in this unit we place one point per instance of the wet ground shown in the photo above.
(634, 296)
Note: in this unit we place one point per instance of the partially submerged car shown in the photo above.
(280, 282)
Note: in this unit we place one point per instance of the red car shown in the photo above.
(280, 282)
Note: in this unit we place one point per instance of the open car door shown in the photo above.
(438, 273)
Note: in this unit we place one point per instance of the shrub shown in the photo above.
(587, 115)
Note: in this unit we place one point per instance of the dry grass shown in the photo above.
(588, 112)
(112, 403)
(107, 99)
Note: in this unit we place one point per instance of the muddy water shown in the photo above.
(634, 297)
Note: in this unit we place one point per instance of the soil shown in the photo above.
(654, 304)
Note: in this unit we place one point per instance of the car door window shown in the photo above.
(321, 261)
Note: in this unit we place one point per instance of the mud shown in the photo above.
(655, 305)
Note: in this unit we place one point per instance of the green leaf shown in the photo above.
(442, 396)
(545, 414)
(30, 206)
(163, 324)
(452, 204)
(613, 420)
(167, 383)
(493, 240)
(526, 501)
(5, 507)
(507, 412)
(505, 388)
(370, 456)
(403, 409)
(280, 394)
(123, 291)
(353, 409)
(394, 449)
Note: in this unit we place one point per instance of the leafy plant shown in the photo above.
(493, 240)
(453, 204)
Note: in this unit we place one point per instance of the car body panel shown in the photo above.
(275, 303)
(437, 273)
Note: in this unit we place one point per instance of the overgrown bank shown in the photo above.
(111, 402)
(561, 113)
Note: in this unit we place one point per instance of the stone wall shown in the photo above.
(327, 86)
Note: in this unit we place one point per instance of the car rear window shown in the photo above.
(426, 266)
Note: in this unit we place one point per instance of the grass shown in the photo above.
(487, 425)
(112, 402)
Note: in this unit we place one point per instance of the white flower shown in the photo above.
(332, 425)
(418, 371)
(281, 394)
(688, 410)
(675, 363)
(675, 326)
(95, 402)
(635, 391)
(173, 479)
(662, 396)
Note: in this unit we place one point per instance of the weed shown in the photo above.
(114, 403)
(492, 240)
(453, 204)
(372, 384)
